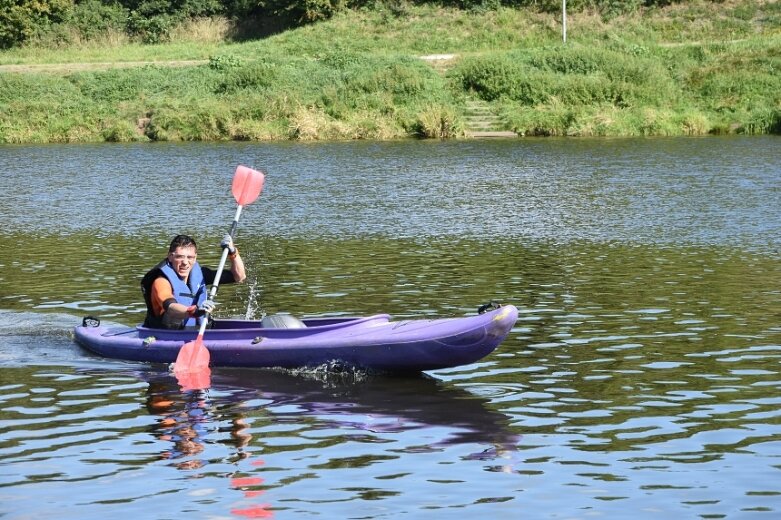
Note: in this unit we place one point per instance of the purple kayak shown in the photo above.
(373, 342)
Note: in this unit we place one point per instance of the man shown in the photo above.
(175, 290)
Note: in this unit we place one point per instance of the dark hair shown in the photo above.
(182, 241)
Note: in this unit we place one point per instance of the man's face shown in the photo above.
(182, 260)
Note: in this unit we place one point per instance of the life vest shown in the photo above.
(191, 293)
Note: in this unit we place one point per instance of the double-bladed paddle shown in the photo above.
(192, 363)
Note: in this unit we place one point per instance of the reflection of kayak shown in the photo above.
(380, 406)
(372, 342)
(374, 403)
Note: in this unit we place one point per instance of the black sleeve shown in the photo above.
(210, 274)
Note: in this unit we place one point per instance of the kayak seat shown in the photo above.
(282, 321)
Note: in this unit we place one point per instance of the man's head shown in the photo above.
(181, 255)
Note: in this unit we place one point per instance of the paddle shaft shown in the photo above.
(220, 269)
(192, 363)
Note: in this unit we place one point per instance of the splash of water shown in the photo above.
(333, 374)
(253, 301)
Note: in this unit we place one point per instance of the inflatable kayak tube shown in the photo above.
(373, 342)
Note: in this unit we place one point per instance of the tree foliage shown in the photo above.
(20, 19)
(151, 21)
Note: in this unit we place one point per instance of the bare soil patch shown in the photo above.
(64, 68)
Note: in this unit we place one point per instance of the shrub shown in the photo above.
(88, 21)
(438, 122)
(397, 78)
(21, 19)
(762, 120)
(528, 121)
(225, 62)
(121, 132)
(151, 29)
(93, 18)
(190, 120)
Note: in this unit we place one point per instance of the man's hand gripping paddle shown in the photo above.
(192, 364)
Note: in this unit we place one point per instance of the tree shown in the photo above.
(20, 19)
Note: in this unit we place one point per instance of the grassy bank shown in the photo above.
(690, 69)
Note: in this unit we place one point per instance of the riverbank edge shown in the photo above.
(463, 94)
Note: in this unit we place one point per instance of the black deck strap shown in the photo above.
(90, 321)
(490, 306)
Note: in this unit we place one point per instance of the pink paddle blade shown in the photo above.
(247, 185)
(200, 380)
(192, 366)
(193, 356)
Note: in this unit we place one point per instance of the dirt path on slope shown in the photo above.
(65, 68)
(436, 60)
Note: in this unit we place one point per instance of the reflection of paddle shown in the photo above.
(192, 363)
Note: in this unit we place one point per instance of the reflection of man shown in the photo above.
(184, 423)
(240, 435)
(183, 427)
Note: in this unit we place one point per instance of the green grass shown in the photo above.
(690, 69)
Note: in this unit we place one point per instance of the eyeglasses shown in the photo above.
(180, 258)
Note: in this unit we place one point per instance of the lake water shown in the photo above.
(643, 376)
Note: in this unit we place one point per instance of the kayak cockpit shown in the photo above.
(280, 325)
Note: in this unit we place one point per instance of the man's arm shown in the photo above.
(163, 301)
(236, 274)
(237, 268)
